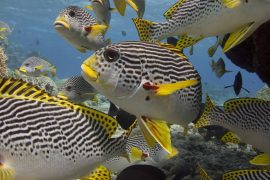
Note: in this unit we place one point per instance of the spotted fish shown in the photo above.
(249, 118)
(80, 29)
(45, 137)
(155, 82)
(197, 19)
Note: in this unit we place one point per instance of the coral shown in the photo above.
(3, 63)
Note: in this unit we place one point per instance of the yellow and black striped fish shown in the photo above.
(155, 82)
(46, 137)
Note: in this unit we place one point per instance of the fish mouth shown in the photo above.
(62, 95)
(98, 1)
(22, 69)
(60, 22)
(87, 69)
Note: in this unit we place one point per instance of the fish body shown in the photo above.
(248, 118)
(80, 29)
(128, 73)
(219, 67)
(44, 137)
(197, 19)
(77, 90)
(36, 66)
(102, 10)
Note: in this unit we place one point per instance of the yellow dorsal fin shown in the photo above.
(18, 89)
(174, 49)
(156, 131)
(232, 3)
(100, 173)
(261, 160)
(243, 174)
(237, 37)
(167, 89)
(203, 173)
(233, 104)
(170, 12)
(231, 138)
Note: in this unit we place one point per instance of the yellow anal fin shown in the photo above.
(174, 153)
(230, 137)
(120, 6)
(237, 37)
(144, 28)
(261, 160)
(243, 174)
(89, 7)
(156, 131)
(133, 5)
(171, 11)
(232, 3)
(203, 173)
(6, 173)
(100, 173)
(167, 89)
(186, 41)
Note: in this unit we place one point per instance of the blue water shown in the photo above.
(31, 21)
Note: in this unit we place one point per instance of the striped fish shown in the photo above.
(43, 137)
(249, 118)
(80, 29)
(197, 19)
(155, 82)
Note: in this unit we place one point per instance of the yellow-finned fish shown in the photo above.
(102, 10)
(137, 5)
(45, 137)
(36, 66)
(248, 118)
(80, 29)
(197, 19)
(4, 30)
(155, 82)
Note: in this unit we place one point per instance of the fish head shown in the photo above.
(31, 66)
(114, 70)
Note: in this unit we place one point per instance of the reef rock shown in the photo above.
(3, 63)
(253, 54)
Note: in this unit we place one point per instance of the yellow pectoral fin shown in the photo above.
(261, 160)
(230, 137)
(156, 131)
(167, 89)
(231, 3)
(237, 37)
(89, 7)
(23, 70)
(120, 6)
(133, 5)
(97, 29)
(101, 172)
(6, 173)
(39, 67)
(136, 153)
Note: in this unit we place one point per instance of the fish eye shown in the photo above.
(111, 55)
(69, 88)
(71, 13)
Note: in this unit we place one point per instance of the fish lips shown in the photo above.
(87, 69)
(61, 23)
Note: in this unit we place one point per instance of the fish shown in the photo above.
(194, 20)
(46, 137)
(237, 84)
(212, 50)
(137, 5)
(80, 29)
(36, 66)
(102, 10)
(219, 67)
(154, 82)
(77, 90)
(173, 41)
(124, 33)
(100, 173)
(4, 30)
(244, 174)
(248, 118)
(143, 172)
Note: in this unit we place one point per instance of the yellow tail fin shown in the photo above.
(204, 119)
(144, 28)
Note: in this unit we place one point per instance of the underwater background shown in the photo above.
(31, 22)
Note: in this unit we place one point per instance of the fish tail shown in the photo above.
(145, 29)
(206, 117)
